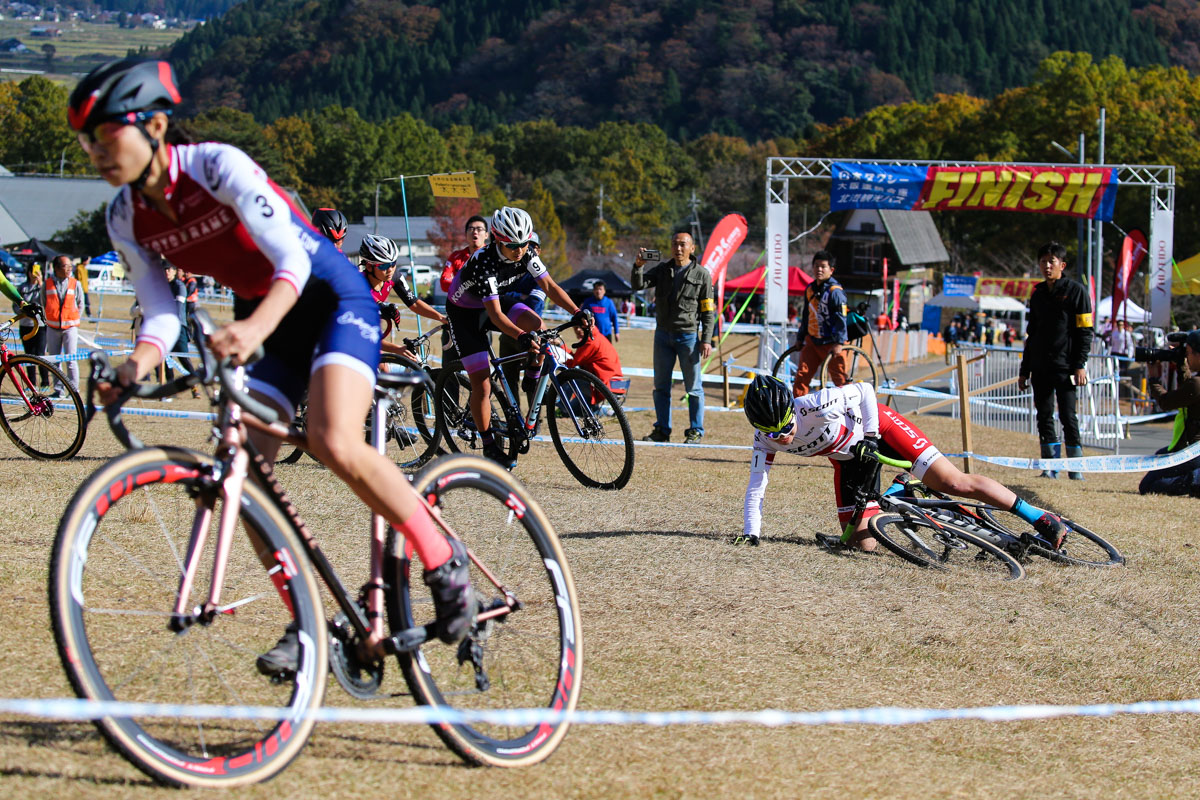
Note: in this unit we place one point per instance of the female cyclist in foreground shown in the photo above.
(209, 209)
(848, 426)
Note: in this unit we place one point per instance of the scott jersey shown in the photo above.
(828, 423)
(233, 223)
(486, 274)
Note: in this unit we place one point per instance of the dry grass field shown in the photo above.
(676, 617)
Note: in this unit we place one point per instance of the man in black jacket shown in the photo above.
(1056, 350)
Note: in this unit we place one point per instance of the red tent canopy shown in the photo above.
(753, 281)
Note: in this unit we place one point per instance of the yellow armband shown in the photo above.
(1083, 320)
(707, 304)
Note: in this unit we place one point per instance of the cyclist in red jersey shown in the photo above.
(848, 426)
(209, 209)
(377, 258)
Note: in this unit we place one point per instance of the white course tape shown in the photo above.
(74, 709)
(1129, 463)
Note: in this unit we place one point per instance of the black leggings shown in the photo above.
(1046, 386)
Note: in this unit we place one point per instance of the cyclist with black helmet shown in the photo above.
(848, 426)
(209, 209)
(331, 223)
(377, 258)
(482, 298)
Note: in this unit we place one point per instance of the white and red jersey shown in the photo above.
(233, 223)
(829, 423)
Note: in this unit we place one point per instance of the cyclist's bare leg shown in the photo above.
(943, 476)
(481, 386)
(338, 400)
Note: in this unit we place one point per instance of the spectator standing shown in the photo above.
(62, 299)
(822, 326)
(1182, 479)
(1056, 350)
(35, 345)
(605, 312)
(179, 292)
(1122, 339)
(683, 298)
(81, 275)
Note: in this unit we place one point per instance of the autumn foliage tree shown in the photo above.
(450, 215)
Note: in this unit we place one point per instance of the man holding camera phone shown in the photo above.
(683, 293)
(1182, 479)
(1056, 350)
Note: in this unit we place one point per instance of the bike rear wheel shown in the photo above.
(593, 440)
(455, 424)
(859, 366)
(40, 426)
(1081, 547)
(942, 545)
(290, 454)
(530, 658)
(114, 578)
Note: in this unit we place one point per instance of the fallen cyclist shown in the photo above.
(848, 426)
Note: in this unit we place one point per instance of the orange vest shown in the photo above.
(61, 312)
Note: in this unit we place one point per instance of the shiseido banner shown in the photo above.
(1083, 192)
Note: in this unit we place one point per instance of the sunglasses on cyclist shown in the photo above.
(105, 133)
(380, 267)
(514, 246)
(783, 430)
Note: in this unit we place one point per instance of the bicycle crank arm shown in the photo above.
(410, 640)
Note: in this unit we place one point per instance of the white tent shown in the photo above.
(977, 302)
(1128, 310)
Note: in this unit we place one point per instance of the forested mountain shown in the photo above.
(750, 68)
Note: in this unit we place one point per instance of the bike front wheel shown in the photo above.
(529, 657)
(940, 545)
(1080, 547)
(114, 578)
(590, 431)
(39, 425)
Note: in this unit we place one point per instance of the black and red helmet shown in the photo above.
(122, 88)
(330, 222)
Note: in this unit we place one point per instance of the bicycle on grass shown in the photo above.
(1011, 533)
(155, 597)
(942, 540)
(39, 422)
(587, 424)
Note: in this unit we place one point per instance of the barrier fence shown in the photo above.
(996, 401)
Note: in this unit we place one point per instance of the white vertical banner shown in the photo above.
(1162, 237)
(777, 263)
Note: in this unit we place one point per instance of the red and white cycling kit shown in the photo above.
(233, 223)
(829, 423)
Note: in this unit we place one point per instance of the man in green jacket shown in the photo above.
(684, 303)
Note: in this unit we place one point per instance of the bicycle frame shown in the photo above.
(549, 376)
(238, 460)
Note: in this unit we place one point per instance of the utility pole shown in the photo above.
(697, 235)
(600, 206)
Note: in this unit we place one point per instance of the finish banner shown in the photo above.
(1082, 192)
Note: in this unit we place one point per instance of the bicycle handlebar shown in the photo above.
(211, 370)
(894, 462)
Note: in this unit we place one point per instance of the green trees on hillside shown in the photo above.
(690, 67)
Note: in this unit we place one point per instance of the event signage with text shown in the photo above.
(1017, 288)
(1082, 192)
(958, 285)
